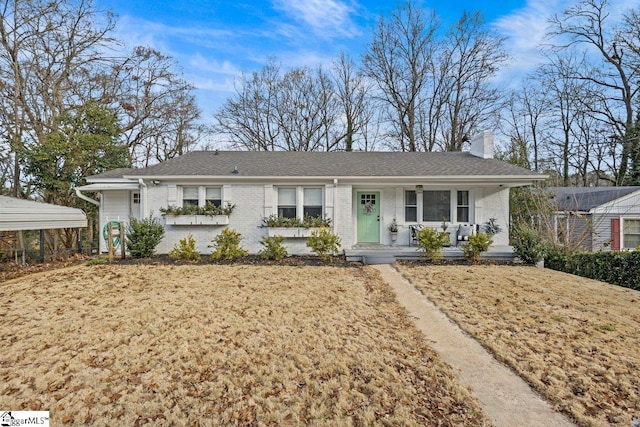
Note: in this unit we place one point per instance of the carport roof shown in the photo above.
(20, 214)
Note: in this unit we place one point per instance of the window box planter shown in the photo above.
(197, 219)
(291, 232)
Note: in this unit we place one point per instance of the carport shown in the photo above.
(21, 215)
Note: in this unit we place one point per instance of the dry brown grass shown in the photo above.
(220, 345)
(575, 340)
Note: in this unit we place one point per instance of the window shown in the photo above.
(136, 198)
(190, 196)
(213, 196)
(631, 233)
(436, 206)
(463, 206)
(410, 206)
(287, 202)
(312, 199)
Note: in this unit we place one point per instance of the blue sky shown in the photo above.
(213, 41)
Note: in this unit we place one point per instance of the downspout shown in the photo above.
(335, 191)
(143, 199)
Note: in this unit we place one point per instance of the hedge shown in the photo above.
(618, 268)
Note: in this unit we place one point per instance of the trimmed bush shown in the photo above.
(477, 244)
(324, 243)
(143, 236)
(527, 244)
(273, 248)
(431, 241)
(185, 249)
(617, 268)
(226, 246)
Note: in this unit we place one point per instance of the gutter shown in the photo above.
(86, 198)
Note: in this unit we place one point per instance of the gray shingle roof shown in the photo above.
(583, 199)
(332, 164)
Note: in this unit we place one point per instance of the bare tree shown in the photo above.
(306, 110)
(398, 60)
(158, 112)
(352, 95)
(47, 49)
(249, 118)
(295, 111)
(471, 56)
(613, 73)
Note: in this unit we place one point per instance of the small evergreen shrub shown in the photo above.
(185, 250)
(324, 243)
(528, 245)
(143, 236)
(477, 244)
(226, 246)
(273, 248)
(431, 242)
(307, 222)
(209, 210)
(96, 261)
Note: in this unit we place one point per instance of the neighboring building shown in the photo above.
(361, 192)
(597, 218)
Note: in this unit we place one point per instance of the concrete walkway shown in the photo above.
(505, 397)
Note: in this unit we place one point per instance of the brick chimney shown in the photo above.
(482, 145)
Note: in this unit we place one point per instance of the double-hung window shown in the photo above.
(201, 196)
(190, 196)
(287, 202)
(298, 202)
(312, 202)
(213, 196)
(631, 233)
(462, 211)
(410, 206)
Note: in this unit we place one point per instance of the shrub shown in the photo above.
(96, 261)
(618, 268)
(185, 249)
(227, 246)
(477, 244)
(307, 222)
(431, 241)
(556, 257)
(527, 244)
(324, 243)
(209, 210)
(273, 248)
(143, 236)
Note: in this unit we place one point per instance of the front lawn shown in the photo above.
(220, 345)
(575, 340)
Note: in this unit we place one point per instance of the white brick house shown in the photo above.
(361, 192)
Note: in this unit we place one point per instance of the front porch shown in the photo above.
(371, 253)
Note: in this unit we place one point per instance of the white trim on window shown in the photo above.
(453, 205)
(629, 226)
(300, 202)
(199, 193)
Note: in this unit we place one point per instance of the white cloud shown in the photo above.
(326, 18)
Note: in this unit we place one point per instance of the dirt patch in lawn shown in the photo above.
(222, 345)
(575, 340)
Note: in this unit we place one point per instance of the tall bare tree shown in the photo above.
(471, 57)
(613, 73)
(351, 90)
(398, 60)
(158, 112)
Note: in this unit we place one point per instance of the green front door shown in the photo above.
(368, 217)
